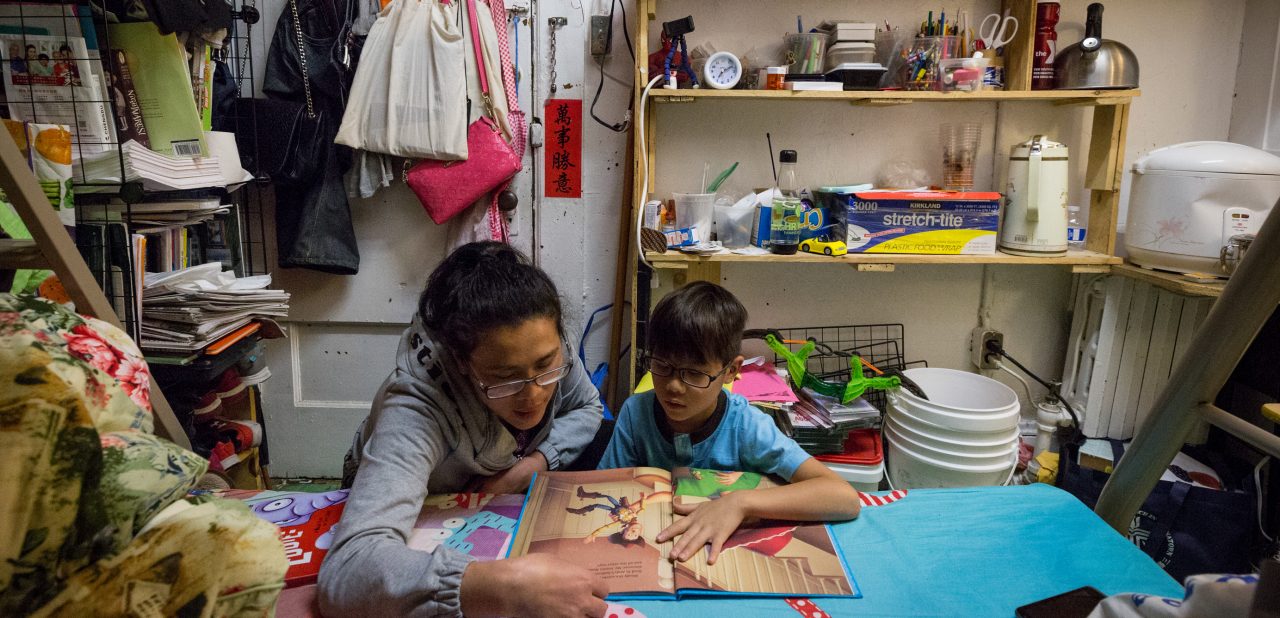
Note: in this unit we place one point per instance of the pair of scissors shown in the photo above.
(1000, 31)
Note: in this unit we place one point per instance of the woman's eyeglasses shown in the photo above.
(513, 388)
(692, 377)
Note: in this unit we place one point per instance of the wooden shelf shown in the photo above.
(1085, 261)
(1174, 282)
(896, 97)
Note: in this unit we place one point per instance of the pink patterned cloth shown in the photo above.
(519, 124)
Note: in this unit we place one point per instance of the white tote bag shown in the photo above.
(409, 91)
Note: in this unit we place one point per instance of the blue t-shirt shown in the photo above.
(745, 440)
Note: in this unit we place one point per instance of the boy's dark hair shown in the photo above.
(699, 323)
(485, 285)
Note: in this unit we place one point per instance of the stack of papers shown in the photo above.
(171, 213)
(190, 309)
(763, 383)
(160, 172)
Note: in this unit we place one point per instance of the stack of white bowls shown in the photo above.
(965, 434)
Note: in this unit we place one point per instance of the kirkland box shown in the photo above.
(932, 222)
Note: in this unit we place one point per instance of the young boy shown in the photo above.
(687, 419)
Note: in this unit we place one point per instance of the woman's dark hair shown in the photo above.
(485, 285)
(700, 322)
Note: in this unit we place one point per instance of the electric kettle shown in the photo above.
(1035, 213)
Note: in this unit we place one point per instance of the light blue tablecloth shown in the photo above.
(964, 552)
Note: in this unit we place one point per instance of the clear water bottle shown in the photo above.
(1075, 229)
(785, 216)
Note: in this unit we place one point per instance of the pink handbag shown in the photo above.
(446, 188)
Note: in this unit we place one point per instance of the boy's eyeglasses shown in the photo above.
(513, 388)
(692, 377)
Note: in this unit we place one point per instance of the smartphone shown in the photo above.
(1074, 604)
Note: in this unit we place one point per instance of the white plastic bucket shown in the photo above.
(977, 439)
(909, 469)
(960, 451)
(958, 400)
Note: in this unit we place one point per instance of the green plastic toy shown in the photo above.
(853, 389)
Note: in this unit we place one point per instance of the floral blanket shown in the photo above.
(83, 482)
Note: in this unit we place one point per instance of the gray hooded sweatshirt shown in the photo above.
(429, 433)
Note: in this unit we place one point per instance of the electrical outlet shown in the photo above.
(978, 343)
(601, 44)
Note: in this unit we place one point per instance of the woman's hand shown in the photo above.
(705, 522)
(513, 480)
(535, 585)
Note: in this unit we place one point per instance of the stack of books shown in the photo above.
(194, 308)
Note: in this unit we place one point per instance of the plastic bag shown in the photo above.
(411, 88)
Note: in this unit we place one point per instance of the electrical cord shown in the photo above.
(617, 127)
(644, 165)
(996, 349)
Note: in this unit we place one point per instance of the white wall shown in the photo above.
(1188, 50)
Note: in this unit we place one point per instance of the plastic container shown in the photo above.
(846, 53)
(959, 142)
(862, 462)
(806, 53)
(912, 469)
(958, 400)
(962, 74)
(920, 67)
(695, 210)
(733, 225)
(775, 78)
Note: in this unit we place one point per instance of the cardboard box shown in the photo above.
(928, 222)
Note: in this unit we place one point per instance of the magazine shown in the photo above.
(49, 80)
(606, 520)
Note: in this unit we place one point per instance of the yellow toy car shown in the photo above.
(824, 246)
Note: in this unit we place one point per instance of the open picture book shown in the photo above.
(606, 521)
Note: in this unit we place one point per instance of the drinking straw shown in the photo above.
(706, 166)
(715, 184)
(771, 162)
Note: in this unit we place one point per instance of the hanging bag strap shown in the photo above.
(302, 58)
(480, 70)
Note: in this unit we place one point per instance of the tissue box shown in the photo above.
(930, 222)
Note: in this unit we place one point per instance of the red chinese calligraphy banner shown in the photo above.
(562, 166)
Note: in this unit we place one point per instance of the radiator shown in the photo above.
(1125, 337)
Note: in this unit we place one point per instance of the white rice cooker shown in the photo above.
(1194, 207)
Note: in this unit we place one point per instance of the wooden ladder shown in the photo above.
(1248, 300)
(54, 250)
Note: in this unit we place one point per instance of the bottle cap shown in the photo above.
(787, 156)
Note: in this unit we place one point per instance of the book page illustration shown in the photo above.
(765, 557)
(479, 525)
(606, 520)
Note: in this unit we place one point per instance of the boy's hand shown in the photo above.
(705, 522)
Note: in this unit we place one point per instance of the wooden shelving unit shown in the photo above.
(1084, 261)
(892, 97)
(1103, 169)
(1174, 282)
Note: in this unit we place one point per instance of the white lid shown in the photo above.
(1211, 157)
(857, 66)
(1048, 148)
(851, 46)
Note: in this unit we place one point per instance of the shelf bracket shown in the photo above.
(880, 102)
(674, 99)
(1091, 269)
(874, 268)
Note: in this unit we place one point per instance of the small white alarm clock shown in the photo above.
(722, 70)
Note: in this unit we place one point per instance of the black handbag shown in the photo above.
(279, 140)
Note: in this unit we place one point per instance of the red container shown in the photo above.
(1046, 45)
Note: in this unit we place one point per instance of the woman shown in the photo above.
(484, 394)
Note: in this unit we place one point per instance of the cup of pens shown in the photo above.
(922, 61)
(806, 53)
